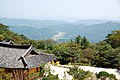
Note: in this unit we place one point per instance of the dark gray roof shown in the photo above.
(4, 44)
(34, 61)
(21, 56)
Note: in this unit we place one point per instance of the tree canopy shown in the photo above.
(114, 39)
(77, 51)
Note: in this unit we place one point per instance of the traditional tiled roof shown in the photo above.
(34, 61)
(21, 56)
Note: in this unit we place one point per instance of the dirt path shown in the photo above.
(62, 71)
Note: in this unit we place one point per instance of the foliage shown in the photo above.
(41, 45)
(78, 39)
(87, 56)
(114, 39)
(104, 75)
(51, 77)
(105, 56)
(45, 73)
(6, 34)
(112, 76)
(82, 41)
(67, 52)
(3, 75)
(79, 74)
(33, 75)
(115, 58)
(77, 51)
(3, 28)
(1, 37)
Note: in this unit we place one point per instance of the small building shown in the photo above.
(16, 59)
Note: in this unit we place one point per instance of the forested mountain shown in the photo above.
(6, 34)
(94, 30)
(77, 51)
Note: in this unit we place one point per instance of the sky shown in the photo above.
(69, 10)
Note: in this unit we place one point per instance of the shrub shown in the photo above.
(79, 74)
(104, 75)
(51, 77)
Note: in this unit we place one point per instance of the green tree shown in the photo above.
(78, 39)
(67, 52)
(61, 52)
(33, 42)
(112, 77)
(49, 44)
(102, 75)
(114, 58)
(1, 37)
(41, 45)
(114, 39)
(87, 56)
(3, 28)
(50, 41)
(79, 74)
(102, 55)
(84, 42)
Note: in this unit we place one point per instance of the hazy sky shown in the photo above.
(60, 9)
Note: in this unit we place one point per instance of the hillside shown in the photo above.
(94, 30)
(94, 33)
(78, 51)
(6, 34)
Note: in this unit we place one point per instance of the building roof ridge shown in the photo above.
(14, 45)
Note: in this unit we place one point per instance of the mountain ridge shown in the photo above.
(94, 30)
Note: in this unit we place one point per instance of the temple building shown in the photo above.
(15, 59)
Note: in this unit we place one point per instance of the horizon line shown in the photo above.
(59, 19)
